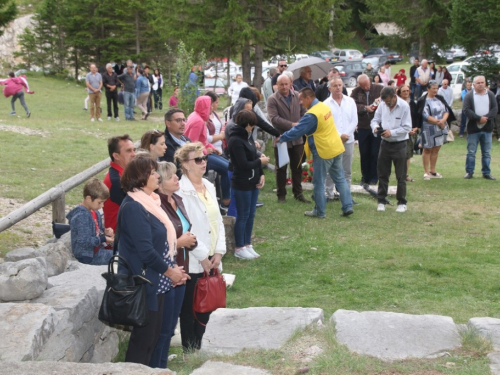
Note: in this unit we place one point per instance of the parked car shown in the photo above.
(348, 55)
(457, 79)
(376, 60)
(392, 56)
(214, 84)
(456, 67)
(349, 71)
(325, 55)
(458, 52)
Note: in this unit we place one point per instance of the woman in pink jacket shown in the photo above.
(196, 131)
(14, 87)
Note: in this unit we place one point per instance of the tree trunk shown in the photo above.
(76, 64)
(137, 42)
(421, 48)
(245, 62)
(259, 51)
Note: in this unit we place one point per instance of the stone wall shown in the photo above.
(9, 41)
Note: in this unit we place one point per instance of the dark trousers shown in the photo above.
(19, 95)
(112, 96)
(413, 87)
(295, 153)
(158, 98)
(143, 339)
(392, 153)
(369, 147)
(191, 330)
(463, 123)
(150, 101)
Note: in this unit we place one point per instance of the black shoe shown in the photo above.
(489, 177)
(347, 213)
(28, 114)
(281, 200)
(468, 176)
(302, 199)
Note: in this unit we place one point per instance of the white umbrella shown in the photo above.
(319, 67)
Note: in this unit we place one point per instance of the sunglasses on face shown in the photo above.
(284, 66)
(200, 159)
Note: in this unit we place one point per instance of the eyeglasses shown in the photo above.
(405, 90)
(200, 159)
(179, 120)
(284, 66)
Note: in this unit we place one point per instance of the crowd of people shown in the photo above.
(169, 215)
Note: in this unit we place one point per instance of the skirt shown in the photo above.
(432, 135)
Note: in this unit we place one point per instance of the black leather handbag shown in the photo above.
(125, 298)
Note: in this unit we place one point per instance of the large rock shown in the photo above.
(229, 222)
(76, 296)
(23, 280)
(107, 348)
(21, 254)
(489, 328)
(66, 240)
(394, 336)
(232, 330)
(221, 368)
(24, 330)
(56, 255)
(494, 363)
(69, 368)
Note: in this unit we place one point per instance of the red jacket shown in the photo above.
(116, 195)
(196, 129)
(15, 85)
(401, 77)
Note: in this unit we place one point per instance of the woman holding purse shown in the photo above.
(186, 241)
(147, 241)
(200, 201)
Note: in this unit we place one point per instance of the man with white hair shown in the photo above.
(422, 77)
(480, 107)
(304, 80)
(446, 92)
(93, 81)
(111, 83)
(345, 116)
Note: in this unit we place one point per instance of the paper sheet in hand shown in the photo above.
(283, 158)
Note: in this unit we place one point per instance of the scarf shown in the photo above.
(152, 204)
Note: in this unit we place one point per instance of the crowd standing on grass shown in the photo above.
(166, 216)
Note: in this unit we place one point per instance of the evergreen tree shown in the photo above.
(8, 12)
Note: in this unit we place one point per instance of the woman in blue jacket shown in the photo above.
(142, 92)
(147, 240)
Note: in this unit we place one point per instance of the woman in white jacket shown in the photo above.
(158, 89)
(200, 201)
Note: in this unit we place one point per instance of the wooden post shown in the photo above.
(59, 209)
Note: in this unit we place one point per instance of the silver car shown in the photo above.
(348, 55)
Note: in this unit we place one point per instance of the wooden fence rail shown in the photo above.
(56, 196)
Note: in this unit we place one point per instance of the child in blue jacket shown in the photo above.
(88, 236)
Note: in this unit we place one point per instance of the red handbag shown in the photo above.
(209, 293)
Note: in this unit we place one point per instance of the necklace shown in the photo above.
(200, 188)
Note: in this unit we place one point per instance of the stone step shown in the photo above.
(221, 368)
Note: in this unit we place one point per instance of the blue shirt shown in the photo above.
(306, 126)
(142, 85)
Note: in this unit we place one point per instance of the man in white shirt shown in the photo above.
(422, 76)
(392, 122)
(235, 88)
(345, 116)
(446, 92)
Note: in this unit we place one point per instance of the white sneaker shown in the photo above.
(99, 119)
(251, 251)
(92, 119)
(117, 118)
(401, 208)
(381, 207)
(109, 118)
(243, 253)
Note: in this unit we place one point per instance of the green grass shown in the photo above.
(440, 257)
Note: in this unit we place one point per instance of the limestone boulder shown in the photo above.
(21, 254)
(222, 368)
(56, 255)
(489, 328)
(69, 368)
(494, 363)
(66, 241)
(232, 330)
(394, 336)
(22, 280)
(24, 330)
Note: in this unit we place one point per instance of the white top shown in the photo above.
(398, 121)
(481, 105)
(345, 115)
(234, 90)
(155, 84)
(447, 94)
(218, 127)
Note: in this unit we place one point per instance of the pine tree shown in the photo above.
(8, 12)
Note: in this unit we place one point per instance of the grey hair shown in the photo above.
(363, 77)
(272, 71)
(303, 69)
(166, 170)
(432, 83)
(288, 74)
(388, 92)
(108, 65)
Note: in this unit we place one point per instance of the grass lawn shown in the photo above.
(440, 257)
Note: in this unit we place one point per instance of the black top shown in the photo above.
(172, 146)
(274, 80)
(128, 81)
(421, 106)
(111, 80)
(470, 111)
(412, 73)
(247, 167)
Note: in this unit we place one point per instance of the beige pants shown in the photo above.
(95, 105)
(142, 102)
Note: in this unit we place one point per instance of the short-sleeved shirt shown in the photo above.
(94, 80)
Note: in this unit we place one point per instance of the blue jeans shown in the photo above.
(220, 165)
(171, 310)
(245, 207)
(100, 258)
(231, 211)
(413, 86)
(484, 139)
(129, 102)
(334, 168)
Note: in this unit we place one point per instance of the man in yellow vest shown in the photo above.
(326, 147)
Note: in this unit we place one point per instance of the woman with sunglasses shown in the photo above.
(153, 141)
(200, 201)
(246, 181)
(404, 93)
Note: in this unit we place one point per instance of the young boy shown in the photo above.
(88, 237)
